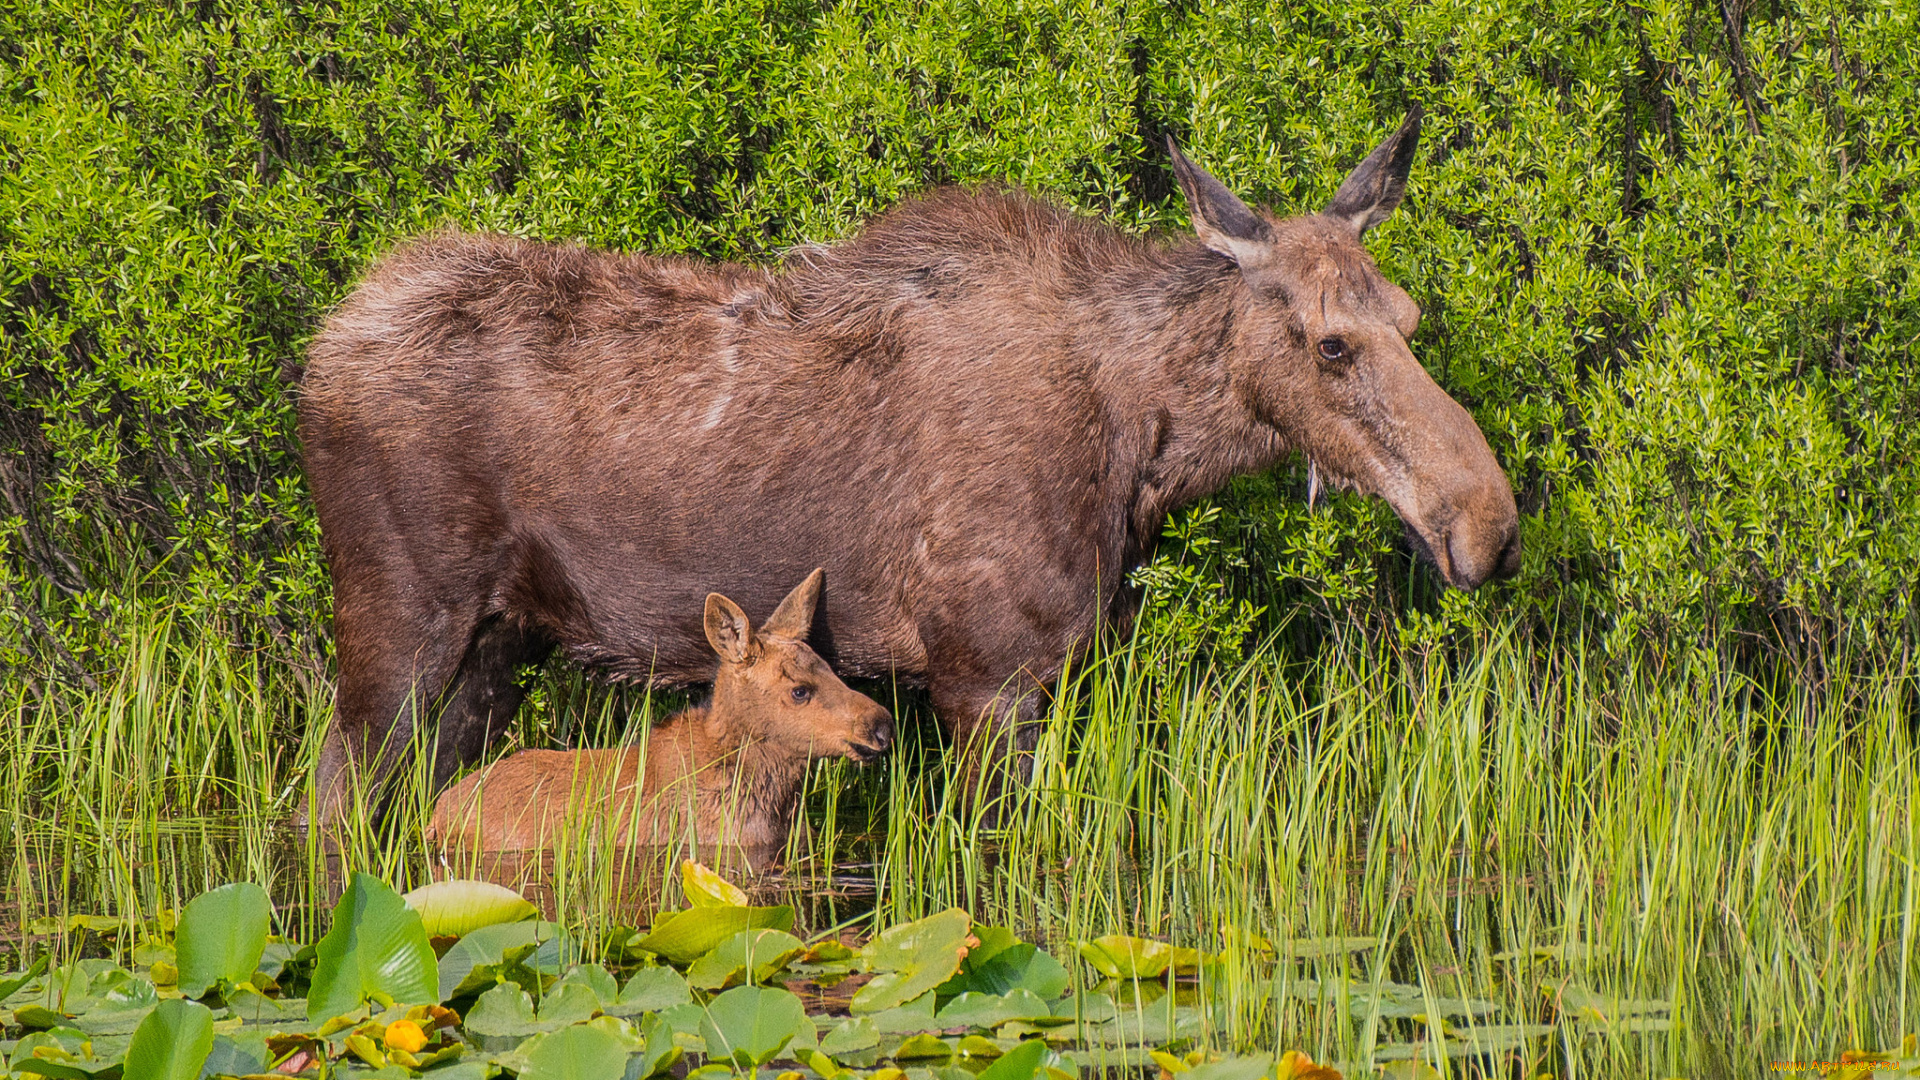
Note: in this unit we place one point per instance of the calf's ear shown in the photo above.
(793, 619)
(728, 630)
(1375, 186)
(1220, 219)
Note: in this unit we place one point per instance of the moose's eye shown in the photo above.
(802, 694)
(1333, 350)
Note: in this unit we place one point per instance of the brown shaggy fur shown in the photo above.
(976, 413)
(728, 772)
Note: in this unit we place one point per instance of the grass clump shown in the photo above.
(1674, 871)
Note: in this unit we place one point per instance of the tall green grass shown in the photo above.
(1503, 817)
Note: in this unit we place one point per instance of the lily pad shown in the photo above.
(923, 1047)
(12, 984)
(752, 1025)
(651, 989)
(685, 936)
(1002, 963)
(598, 981)
(580, 1052)
(1235, 1068)
(1026, 1061)
(853, 1033)
(912, 959)
(174, 1040)
(915, 1015)
(1318, 948)
(1119, 956)
(704, 888)
(1593, 1006)
(457, 908)
(377, 946)
(236, 1054)
(991, 1010)
(221, 935)
(522, 951)
(751, 956)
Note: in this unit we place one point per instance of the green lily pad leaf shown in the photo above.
(651, 989)
(53, 924)
(457, 908)
(1119, 956)
(1592, 1005)
(752, 1025)
(685, 1022)
(522, 951)
(979, 1046)
(377, 946)
(1027, 1061)
(922, 1047)
(1488, 1038)
(221, 935)
(597, 980)
(915, 1015)
(659, 1053)
(39, 1016)
(749, 956)
(1152, 1026)
(1570, 953)
(991, 1010)
(580, 1052)
(506, 1011)
(174, 1040)
(685, 936)
(118, 1020)
(14, 983)
(1234, 1068)
(1481, 1041)
(237, 1054)
(912, 959)
(1001, 963)
(1318, 948)
(253, 1007)
(568, 1003)
(1086, 1008)
(853, 1033)
(704, 888)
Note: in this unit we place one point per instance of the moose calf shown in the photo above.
(731, 769)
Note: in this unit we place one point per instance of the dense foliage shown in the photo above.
(1663, 252)
(461, 980)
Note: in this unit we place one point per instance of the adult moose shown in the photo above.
(976, 414)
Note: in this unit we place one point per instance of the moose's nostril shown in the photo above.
(1510, 556)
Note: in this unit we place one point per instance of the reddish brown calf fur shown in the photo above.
(728, 773)
(976, 413)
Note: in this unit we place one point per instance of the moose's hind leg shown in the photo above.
(486, 692)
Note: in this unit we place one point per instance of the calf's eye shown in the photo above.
(1333, 350)
(802, 694)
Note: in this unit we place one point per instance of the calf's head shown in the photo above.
(1320, 351)
(774, 689)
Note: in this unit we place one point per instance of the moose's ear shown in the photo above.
(1375, 186)
(1220, 219)
(728, 630)
(793, 619)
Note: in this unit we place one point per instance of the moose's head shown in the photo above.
(1321, 352)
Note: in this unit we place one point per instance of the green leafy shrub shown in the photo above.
(1664, 259)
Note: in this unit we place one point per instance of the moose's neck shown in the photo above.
(748, 783)
(1179, 427)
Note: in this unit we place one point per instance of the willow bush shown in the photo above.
(1663, 252)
